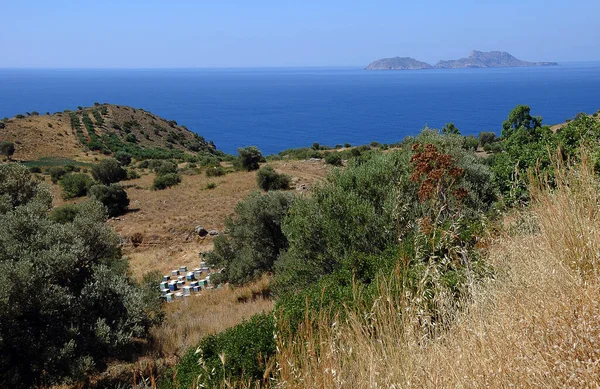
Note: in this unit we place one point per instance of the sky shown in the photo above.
(283, 33)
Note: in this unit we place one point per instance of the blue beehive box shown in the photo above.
(173, 285)
(196, 288)
(166, 278)
(190, 276)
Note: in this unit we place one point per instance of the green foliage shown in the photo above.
(7, 149)
(166, 181)
(123, 157)
(470, 143)
(215, 171)
(268, 179)
(64, 214)
(67, 304)
(450, 129)
(75, 185)
(334, 158)
(167, 167)
(131, 138)
(211, 185)
(486, 137)
(108, 171)
(249, 158)
(241, 351)
(520, 117)
(35, 169)
(56, 173)
(255, 238)
(113, 197)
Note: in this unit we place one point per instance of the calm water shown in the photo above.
(275, 109)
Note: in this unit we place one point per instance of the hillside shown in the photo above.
(101, 129)
(398, 63)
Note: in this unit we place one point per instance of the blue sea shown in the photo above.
(276, 109)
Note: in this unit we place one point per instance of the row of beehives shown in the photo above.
(176, 288)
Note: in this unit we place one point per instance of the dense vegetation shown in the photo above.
(417, 212)
(67, 305)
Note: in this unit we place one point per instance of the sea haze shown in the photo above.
(276, 109)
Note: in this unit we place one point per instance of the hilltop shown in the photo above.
(477, 59)
(101, 129)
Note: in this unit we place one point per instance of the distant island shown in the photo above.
(477, 59)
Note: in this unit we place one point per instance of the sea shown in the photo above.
(281, 108)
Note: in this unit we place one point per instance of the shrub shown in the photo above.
(167, 167)
(137, 239)
(50, 125)
(75, 185)
(7, 149)
(243, 350)
(35, 169)
(268, 179)
(334, 158)
(166, 181)
(78, 309)
(123, 158)
(254, 240)
(70, 167)
(249, 158)
(64, 214)
(2, 125)
(347, 145)
(211, 185)
(108, 171)
(486, 137)
(215, 171)
(132, 174)
(20, 116)
(56, 173)
(131, 138)
(470, 142)
(113, 197)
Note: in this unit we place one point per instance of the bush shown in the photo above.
(56, 173)
(166, 181)
(249, 158)
(75, 185)
(69, 168)
(166, 167)
(211, 185)
(131, 138)
(123, 158)
(268, 179)
(108, 171)
(334, 159)
(68, 306)
(470, 143)
(113, 197)
(215, 171)
(132, 174)
(245, 349)
(486, 137)
(347, 145)
(144, 164)
(254, 240)
(64, 214)
(35, 169)
(7, 149)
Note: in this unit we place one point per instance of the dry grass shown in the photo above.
(209, 312)
(534, 325)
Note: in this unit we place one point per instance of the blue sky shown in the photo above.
(262, 33)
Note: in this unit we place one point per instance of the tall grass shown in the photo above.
(534, 324)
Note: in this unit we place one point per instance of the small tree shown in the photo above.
(108, 171)
(112, 196)
(486, 137)
(268, 179)
(75, 185)
(450, 128)
(249, 158)
(334, 159)
(56, 173)
(7, 149)
(123, 158)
